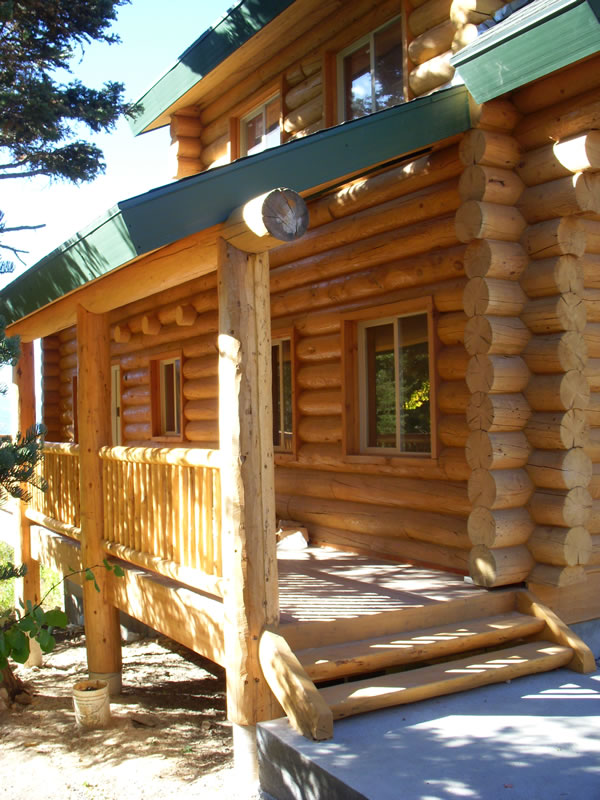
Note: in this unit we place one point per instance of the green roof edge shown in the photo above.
(523, 48)
(164, 215)
(216, 44)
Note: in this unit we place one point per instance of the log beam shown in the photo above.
(266, 221)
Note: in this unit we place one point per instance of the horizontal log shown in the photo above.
(428, 15)
(557, 86)
(565, 312)
(499, 567)
(591, 337)
(304, 91)
(593, 524)
(451, 328)
(489, 149)
(575, 194)
(263, 223)
(200, 346)
(464, 12)
(550, 276)
(430, 74)
(497, 374)
(490, 184)
(205, 324)
(452, 363)
(304, 115)
(403, 180)
(465, 34)
(135, 377)
(557, 430)
(495, 335)
(490, 258)
(185, 125)
(558, 392)
(68, 335)
(561, 577)
(592, 446)
(478, 220)
(421, 270)
(431, 42)
(179, 456)
(446, 497)
(500, 488)
(556, 237)
(136, 395)
(591, 372)
(491, 450)
(591, 271)
(495, 115)
(561, 121)
(201, 389)
(381, 521)
(326, 402)
(567, 508)
(591, 229)
(137, 413)
(561, 546)
(453, 397)
(560, 469)
(150, 325)
(319, 348)
(300, 71)
(492, 296)
(591, 299)
(201, 367)
(319, 376)
(217, 152)
(67, 362)
(556, 353)
(497, 412)
(561, 159)
(592, 410)
(453, 430)
(205, 431)
(207, 409)
(136, 432)
(320, 429)
(505, 527)
(185, 315)
(48, 344)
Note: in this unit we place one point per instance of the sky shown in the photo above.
(153, 34)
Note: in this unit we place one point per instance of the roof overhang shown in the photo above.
(158, 218)
(540, 38)
(215, 45)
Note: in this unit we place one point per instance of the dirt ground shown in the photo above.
(169, 734)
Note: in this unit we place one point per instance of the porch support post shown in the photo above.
(102, 633)
(27, 588)
(247, 476)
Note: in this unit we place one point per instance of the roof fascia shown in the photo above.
(216, 44)
(169, 213)
(532, 43)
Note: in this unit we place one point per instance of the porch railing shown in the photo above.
(58, 507)
(162, 511)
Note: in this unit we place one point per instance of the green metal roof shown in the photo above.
(164, 215)
(535, 41)
(207, 52)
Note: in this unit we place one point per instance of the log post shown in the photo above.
(251, 594)
(102, 634)
(27, 588)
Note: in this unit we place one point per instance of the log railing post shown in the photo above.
(27, 588)
(102, 634)
(251, 594)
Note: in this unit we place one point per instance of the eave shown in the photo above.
(168, 214)
(535, 41)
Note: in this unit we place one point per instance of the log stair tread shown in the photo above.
(370, 655)
(357, 697)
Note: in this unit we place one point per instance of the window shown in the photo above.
(260, 129)
(389, 403)
(282, 396)
(166, 397)
(115, 403)
(370, 72)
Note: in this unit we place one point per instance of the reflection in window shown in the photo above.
(282, 395)
(395, 384)
(170, 397)
(260, 129)
(371, 72)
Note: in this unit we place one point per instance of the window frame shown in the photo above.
(116, 404)
(354, 423)
(277, 336)
(158, 405)
(242, 144)
(368, 38)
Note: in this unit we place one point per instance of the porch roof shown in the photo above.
(536, 40)
(164, 215)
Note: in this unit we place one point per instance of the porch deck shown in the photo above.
(320, 584)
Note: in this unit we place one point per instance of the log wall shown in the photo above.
(303, 72)
(59, 374)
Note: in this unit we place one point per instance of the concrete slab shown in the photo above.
(537, 738)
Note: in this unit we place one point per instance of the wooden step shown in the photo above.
(409, 647)
(357, 697)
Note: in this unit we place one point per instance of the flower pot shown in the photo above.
(92, 704)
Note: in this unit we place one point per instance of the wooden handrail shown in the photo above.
(173, 456)
(62, 448)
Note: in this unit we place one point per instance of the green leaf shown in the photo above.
(119, 572)
(3, 662)
(106, 564)
(19, 644)
(89, 575)
(4, 646)
(96, 587)
(39, 615)
(46, 640)
(26, 624)
(55, 618)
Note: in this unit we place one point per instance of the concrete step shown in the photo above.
(330, 662)
(357, 697)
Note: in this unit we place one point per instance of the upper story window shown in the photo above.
(166, 396)
(260, 129)
(370, 72)
(281, 360)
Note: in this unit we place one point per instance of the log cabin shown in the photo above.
(398, 353)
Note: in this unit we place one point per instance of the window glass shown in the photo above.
(395, 389)
(372, 72)
(282, 395)
(170, 390)
(260, 129)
